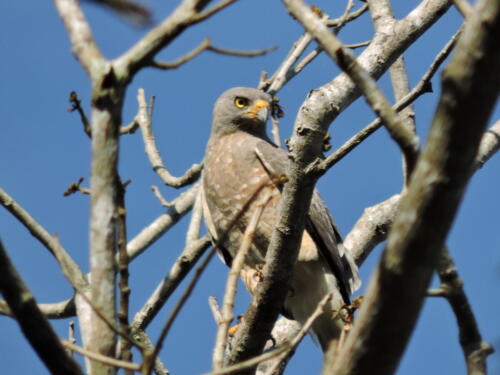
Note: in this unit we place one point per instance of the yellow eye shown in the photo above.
(240, 102)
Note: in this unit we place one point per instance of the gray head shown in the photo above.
(241, 108)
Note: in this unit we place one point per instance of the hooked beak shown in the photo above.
(259, 110)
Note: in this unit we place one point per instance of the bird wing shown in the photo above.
(223, 253)
(319, 224)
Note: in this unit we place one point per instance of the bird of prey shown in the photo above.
(239, 159)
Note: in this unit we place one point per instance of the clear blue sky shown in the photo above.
(43, 149)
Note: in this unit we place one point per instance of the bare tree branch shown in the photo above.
(180, 207)
(206, 45)
(76, 106)
(475, 349)
(490, 144)
(177, 273)
(82, 42)
(471, 84)
(144, 119)
(58, 310)
(193, 231)
(143, 52)
(101, 358)
(68, 266)
(34, 325)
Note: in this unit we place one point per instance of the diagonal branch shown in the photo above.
(68, 266)
(33, 323)
(82, 42)
(475, 349)
(184, 263)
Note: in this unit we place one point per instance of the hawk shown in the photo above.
(239, 159)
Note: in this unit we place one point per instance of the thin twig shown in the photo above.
(160, 197)
(358, 45)
(144, 119)
(232, 281)
(252, 362)
(71, 336)
(76, 106)
(206, 45)
(214, 307)
(76, 186)
(101, 358)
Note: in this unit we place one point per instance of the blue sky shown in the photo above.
(43, 149)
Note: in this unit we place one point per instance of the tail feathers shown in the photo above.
(327, 331)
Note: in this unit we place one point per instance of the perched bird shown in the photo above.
(239, 159)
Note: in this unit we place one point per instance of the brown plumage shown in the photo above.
(239, 158)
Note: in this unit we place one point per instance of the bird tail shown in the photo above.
(310, 285)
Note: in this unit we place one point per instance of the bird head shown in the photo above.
(241, 109)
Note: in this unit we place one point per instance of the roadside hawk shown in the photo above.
(239, 159)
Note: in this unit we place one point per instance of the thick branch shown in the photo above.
(82, 42)
(471, 84)
(34, 325)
